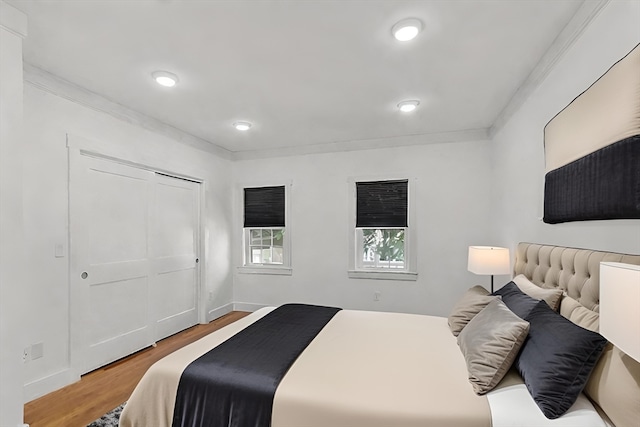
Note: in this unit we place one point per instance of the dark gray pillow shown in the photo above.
(556, 359)
(517, 301)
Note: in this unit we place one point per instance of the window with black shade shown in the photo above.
(381, 228)
(264, 226)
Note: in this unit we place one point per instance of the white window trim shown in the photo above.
(383, 275)
(410, 272)
(285, 268)
(266, 269)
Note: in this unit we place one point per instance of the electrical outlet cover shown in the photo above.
(37, 351)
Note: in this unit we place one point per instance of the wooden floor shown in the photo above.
(100, 391)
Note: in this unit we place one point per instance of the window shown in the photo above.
(382, 238)
(266, 244)
(381, 247)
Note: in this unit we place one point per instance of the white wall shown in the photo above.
(460, 202)
(469, 193)
(13, 26)
(452, 212)
(518, 152)
(48, 120)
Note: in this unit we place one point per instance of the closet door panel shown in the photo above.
(174, 246)
(110, 207)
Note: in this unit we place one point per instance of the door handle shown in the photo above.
(197, 260)
(84, 275)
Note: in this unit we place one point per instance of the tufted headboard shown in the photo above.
(575, 271)
(615, 382)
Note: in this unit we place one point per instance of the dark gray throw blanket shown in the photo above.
(234, 384)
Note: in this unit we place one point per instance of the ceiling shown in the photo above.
(305, 73)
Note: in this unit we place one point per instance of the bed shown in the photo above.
(392, 369)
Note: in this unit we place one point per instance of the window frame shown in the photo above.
(248, 267)
(356, 270)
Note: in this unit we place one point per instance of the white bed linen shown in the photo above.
(374, 369)
(364, 369)
(512, 406)
(335, 378)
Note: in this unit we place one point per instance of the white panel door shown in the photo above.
(174, 249)
(110, 264)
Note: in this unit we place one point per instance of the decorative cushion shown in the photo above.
(517, 301)
(556, 359)
(490, 343)
(550, 296)
(470, 304)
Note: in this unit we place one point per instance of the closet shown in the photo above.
(134, 258)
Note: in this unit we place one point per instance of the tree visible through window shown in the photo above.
(383, 248)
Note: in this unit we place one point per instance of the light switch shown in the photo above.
(59, 250)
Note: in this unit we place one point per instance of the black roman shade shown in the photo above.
(264, 207)
(381, 203)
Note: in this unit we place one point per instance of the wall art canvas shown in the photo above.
(592, 150)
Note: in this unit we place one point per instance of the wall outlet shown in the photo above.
(377, 295)
(59, 250)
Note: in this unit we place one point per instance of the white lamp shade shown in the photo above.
(620, 306)
(489, 260)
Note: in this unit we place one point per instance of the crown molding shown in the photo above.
(366, 144)
(562, 43)
(13, 20)
(55, 85)
(16, 22)
(58, 86)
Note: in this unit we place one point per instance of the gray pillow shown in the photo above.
(551, 296)
(490, 344)
(470, 304)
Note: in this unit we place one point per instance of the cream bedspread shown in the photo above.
(364, 369)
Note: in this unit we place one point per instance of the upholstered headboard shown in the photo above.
(615, 382)
(575, 271)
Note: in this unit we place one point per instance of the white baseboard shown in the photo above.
(55, 381)
(248, 306)
(219, 312)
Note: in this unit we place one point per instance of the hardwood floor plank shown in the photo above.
(100, 391)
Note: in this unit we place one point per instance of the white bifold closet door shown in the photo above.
(134, 257)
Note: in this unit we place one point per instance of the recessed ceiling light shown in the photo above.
(165, 78)
(407, 29)
(242, 125)
(408, 106)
